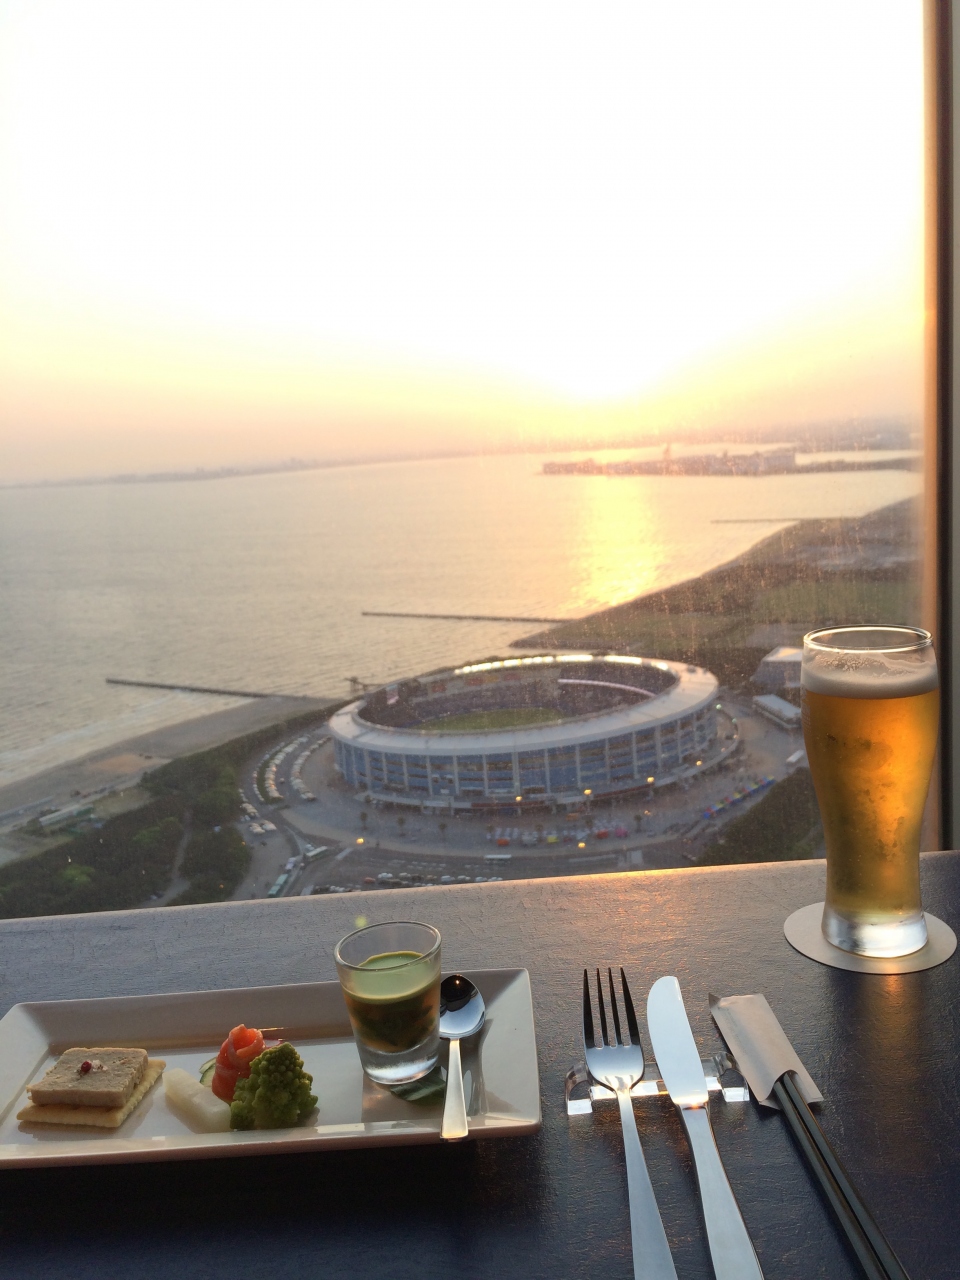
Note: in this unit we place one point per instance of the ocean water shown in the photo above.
(260, 582)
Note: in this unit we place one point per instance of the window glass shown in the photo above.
(428, 431)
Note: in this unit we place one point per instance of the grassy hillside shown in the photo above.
(782, 827)
(813, 573)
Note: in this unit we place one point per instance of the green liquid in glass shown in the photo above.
(394, 1002)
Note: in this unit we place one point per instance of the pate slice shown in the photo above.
(90, 1078)
(96, 1117)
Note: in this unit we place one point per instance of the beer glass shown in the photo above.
(870, 716)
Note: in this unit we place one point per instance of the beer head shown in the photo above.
(868, 662)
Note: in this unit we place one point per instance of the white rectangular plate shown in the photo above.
(185, 1029)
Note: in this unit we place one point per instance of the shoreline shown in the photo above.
(122, 764)
(715, 609)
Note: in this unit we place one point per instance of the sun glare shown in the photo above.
(372, 223)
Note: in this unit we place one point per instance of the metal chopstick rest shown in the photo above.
(768, 1062)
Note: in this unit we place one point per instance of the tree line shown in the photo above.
(784, 826)
(122, 862)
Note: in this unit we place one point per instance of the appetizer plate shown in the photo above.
(187, 1028)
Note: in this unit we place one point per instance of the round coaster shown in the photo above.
(803, 932)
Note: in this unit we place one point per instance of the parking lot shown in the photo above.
(308, 832)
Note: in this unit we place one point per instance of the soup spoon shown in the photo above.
(461, 1014)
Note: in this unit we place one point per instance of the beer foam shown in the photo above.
(869, 674)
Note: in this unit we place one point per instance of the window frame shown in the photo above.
(941, 532)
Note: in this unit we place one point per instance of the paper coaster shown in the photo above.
(803, 932)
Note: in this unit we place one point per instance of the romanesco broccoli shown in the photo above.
(276, 1094)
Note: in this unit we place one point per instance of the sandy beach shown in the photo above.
(123, 763)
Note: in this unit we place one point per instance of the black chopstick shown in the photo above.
(841, 1211)
(894, 1268)
(873, 1250)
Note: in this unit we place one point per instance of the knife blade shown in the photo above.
(675, 1049)
(674, 1046)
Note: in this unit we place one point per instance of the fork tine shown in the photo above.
(589, 1038)
(632, 1026)
(614, 1010)
(603, 1012)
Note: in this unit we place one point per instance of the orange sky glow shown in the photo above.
(236, 232)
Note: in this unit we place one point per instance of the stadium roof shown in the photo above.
(695, 688)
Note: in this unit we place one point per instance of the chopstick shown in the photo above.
(873, 1251)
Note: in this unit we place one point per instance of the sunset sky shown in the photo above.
(231, 232)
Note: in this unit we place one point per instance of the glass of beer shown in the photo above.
(390, 978)
(870, 717)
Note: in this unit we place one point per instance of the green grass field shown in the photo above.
(509, 718)
(844, 599)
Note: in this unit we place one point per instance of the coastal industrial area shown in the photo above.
(263, 801)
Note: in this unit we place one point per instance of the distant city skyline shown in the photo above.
(852, 434)
(326, 231)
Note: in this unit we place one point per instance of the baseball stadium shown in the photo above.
(547, 729)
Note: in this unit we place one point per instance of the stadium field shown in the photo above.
(506, 718)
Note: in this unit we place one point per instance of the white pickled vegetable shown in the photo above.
(198, 1104)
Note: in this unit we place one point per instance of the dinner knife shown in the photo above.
(681, 1070)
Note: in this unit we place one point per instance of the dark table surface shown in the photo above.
(884, 1051)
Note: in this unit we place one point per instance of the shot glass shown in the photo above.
(390, 978)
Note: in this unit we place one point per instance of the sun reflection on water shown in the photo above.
(621, 546)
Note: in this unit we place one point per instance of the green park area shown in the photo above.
(184, 827)
(782, 827)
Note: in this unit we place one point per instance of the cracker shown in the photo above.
(95, 1117)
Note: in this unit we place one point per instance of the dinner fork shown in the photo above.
(618, 1064)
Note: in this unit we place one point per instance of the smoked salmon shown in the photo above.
(241, 1046)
